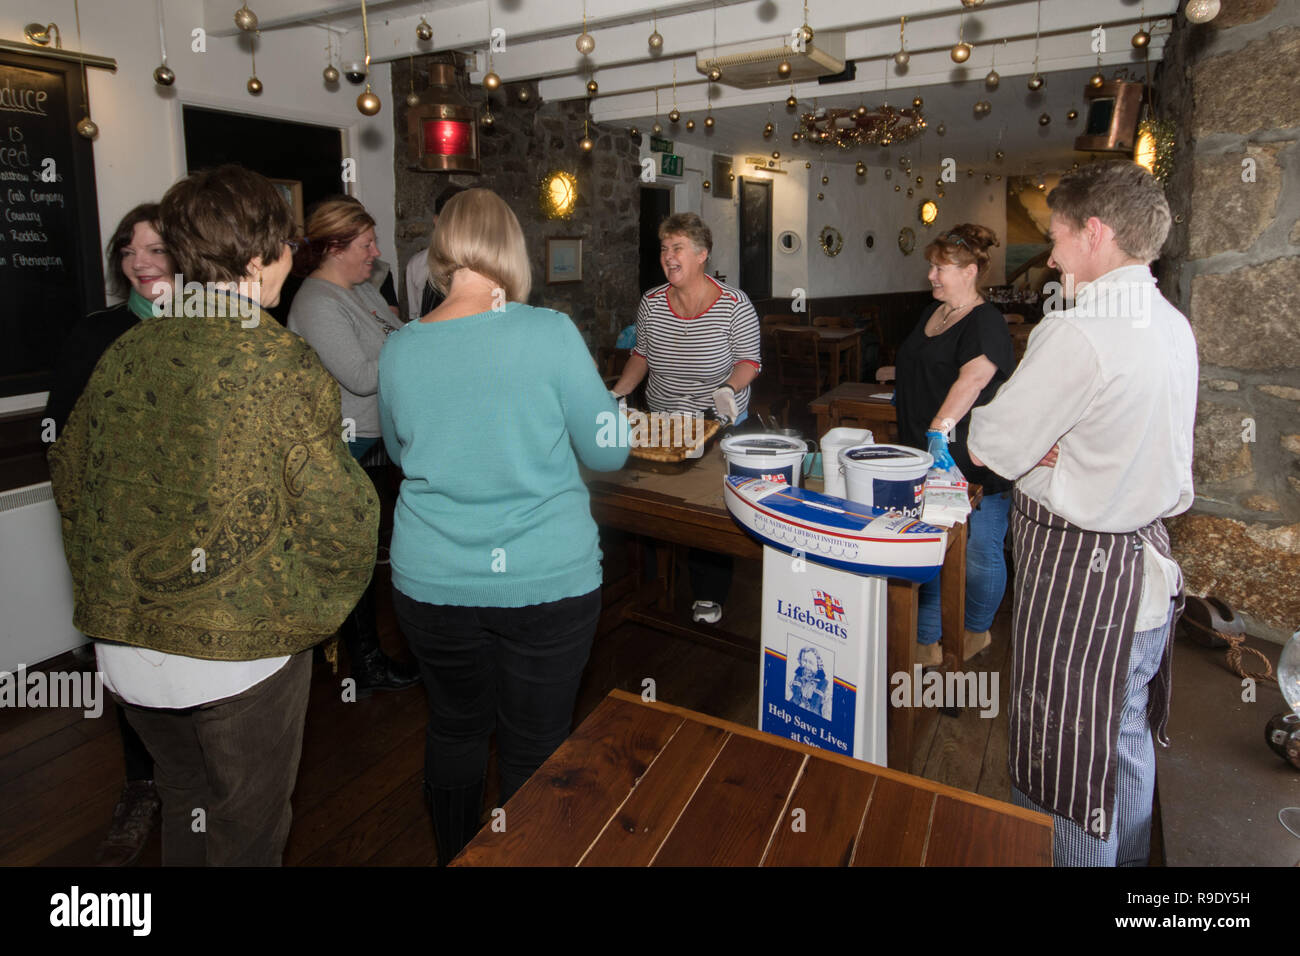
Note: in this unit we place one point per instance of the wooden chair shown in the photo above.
(767, 335)
(881, 419)
(1013, 318)
(832, 322)
(798, 362)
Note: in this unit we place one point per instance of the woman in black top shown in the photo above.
(955, 359)
(141, 270)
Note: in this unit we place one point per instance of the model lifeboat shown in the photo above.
(835, 532)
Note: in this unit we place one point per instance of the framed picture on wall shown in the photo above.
(563, 260)
(291, 190)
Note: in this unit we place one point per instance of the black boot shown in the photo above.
(455, 813)
(372, 669)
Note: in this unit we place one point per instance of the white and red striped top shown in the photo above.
(690, 356)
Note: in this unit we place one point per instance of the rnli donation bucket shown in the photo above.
(886, 476)
(769, 457)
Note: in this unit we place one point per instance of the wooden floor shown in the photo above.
(358, 800)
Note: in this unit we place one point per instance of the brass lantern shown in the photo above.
(443, 131)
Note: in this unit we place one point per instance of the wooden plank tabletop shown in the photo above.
(652, 784)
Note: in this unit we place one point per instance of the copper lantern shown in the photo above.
(1112, 117)
(443, 132)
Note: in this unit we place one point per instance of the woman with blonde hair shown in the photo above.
(488, 405)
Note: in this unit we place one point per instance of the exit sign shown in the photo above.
(658, 145)
(671, 165)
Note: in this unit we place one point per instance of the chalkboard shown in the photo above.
(51, 270)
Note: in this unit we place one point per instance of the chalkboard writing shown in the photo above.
(50, 267)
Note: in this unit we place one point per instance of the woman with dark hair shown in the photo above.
(956, 358)
(139, 270)
(343, 317)
(215, 525)
(488, 405)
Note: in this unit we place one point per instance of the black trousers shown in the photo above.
(515, 670)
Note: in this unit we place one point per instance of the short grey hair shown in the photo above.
(1124, 196)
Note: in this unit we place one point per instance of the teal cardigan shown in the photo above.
(488, 416)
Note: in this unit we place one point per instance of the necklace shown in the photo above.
(951, 312)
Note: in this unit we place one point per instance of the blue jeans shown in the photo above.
(1135, 780)
(986, 572)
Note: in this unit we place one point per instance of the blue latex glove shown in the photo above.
(937, 445)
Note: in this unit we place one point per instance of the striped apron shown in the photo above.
(1076, 603)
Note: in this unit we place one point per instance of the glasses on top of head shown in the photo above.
(295, 245)
(954, 238)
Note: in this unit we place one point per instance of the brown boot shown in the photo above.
(138, 809)
(929, 655)
(975, 642)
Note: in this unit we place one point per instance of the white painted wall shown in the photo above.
(140, 148)
(854, 205)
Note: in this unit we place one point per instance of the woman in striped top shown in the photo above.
(697, 338)
(699, 341)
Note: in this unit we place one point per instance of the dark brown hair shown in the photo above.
(331, 225)
(216, 220)
(1121, 194)
(962, 245)
(145, 212)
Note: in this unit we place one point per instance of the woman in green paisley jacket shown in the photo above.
(214, 523)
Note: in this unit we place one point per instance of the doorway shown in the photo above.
(756, 238)
(656, 204)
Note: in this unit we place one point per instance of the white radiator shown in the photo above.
(35, 586)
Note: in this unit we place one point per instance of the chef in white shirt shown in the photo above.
(1095, 427)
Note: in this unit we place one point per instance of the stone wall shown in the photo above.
(527, 140)
(1232, 264)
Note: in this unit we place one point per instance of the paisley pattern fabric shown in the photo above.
(210, 507)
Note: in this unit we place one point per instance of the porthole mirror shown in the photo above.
(788, 242)
(831, 241)
(906, 240)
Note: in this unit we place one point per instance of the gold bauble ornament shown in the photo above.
(807, 165)
(707, 185)
(796, 136)
(87, 128)
(423, 31)
(690, 125)
(1097, 81)
(592, 88)
(1201, 11)
(991, 80)
(368, 103)
(889, 173)
(776, 154)
(412, 99)
(164, 76)
(999, 155)
(657, 128)
(634, 132)
(783, 69)
(897, 187)
(826, 180)
(861, 111)
(488, 119)
(585, 43)
(768, 129)
(331, 73)
(917, 102)
(254, 85)
(1044, 119)
(586, 145)
(674, 115)
(806, 32)
(909, 192)
(791, 102)
(920, 180)
(523, 95)
(1072, 115)
(715, 74)
(902, 58)
(246, 19)
(987, 178)
(656, 42)
(960, 53)
(1141, 40)
(708, 121)
(731, 177)
(821, 196)
(940, 129)
(1035, 82)
(491, 82)
(860, 168)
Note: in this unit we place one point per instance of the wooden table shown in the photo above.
(688, 509)
(856, 392)
(835, 342)
(649, 784)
